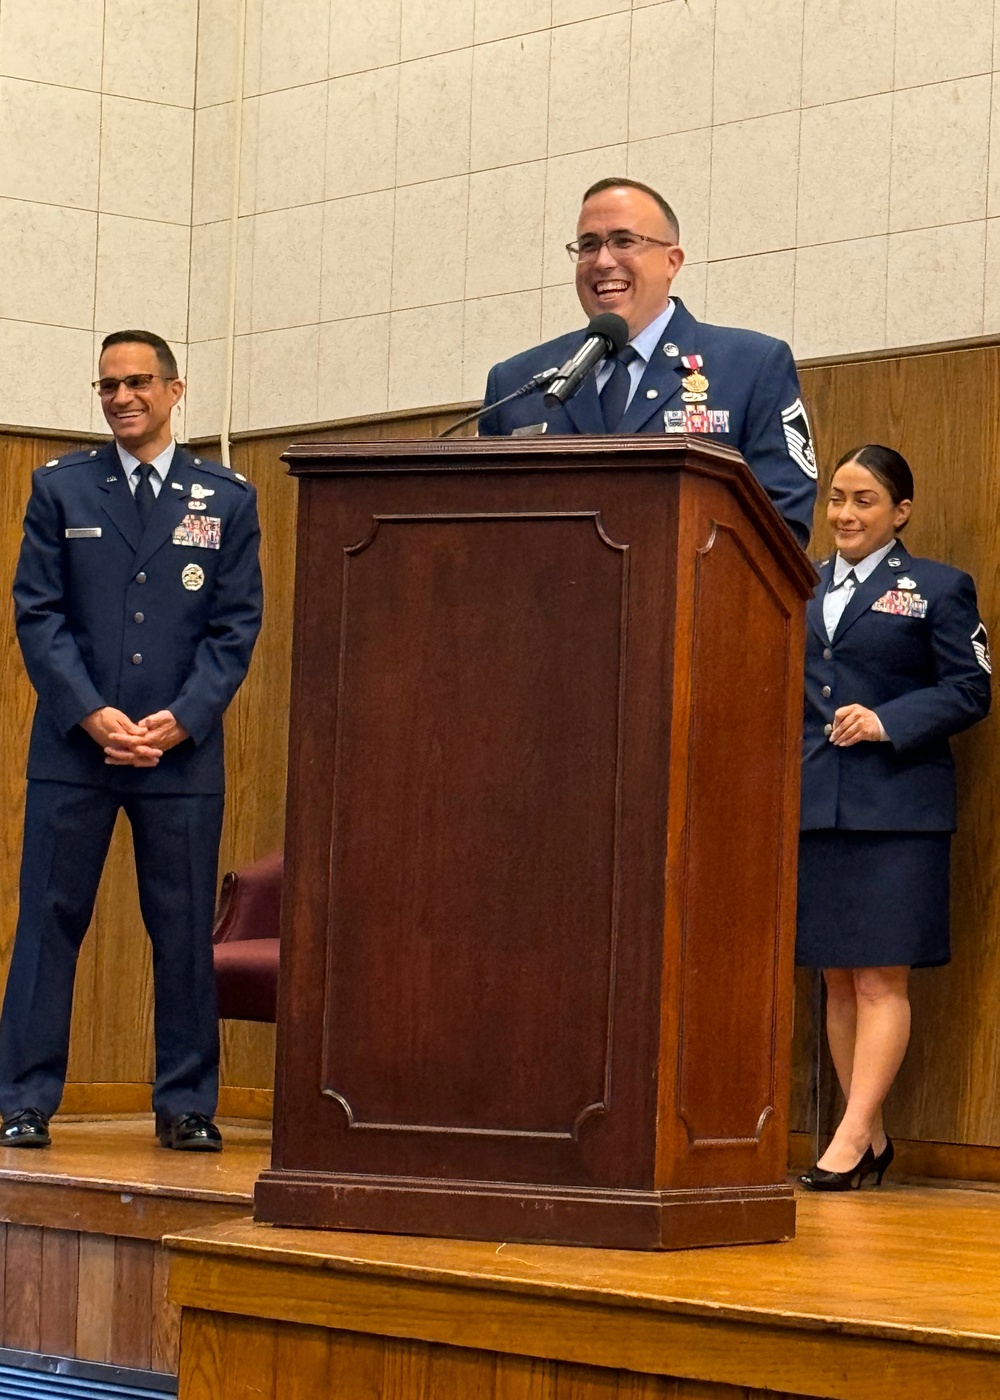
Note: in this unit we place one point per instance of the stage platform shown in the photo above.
(883, 1295)
(82, 1273)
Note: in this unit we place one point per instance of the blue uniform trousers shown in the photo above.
(67, 832)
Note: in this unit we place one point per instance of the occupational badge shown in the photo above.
(192, 577)
(196, 505)
(199, 492)
(981, 646)
(906, 583)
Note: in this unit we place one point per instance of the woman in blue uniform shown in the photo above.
(896, 662)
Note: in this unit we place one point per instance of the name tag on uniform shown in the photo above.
(84, 532)
(530, 430)
(199, 532)
(901, 604)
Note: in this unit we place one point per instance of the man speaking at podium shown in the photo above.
(137, 599)
(676, 374)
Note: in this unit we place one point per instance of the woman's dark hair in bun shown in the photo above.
(887, 465)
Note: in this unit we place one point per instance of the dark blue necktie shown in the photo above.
(614, 395)
(145, 497)
(849, 578)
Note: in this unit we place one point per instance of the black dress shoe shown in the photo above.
(819, 1179)
(189, 1132)
(29, 1128)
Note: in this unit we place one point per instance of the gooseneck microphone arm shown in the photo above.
(537, 381)
(607, 334)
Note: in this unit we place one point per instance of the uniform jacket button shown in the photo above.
(141, 617)
(826, 692)
(140, 578)
(827, 654)
(137, 658)
(827, 728)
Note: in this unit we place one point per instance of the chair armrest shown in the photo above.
(250, 902)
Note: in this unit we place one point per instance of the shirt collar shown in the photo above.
(160, 463)
(647, 340)
(868, 565)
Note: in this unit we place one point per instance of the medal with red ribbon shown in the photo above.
(695, 385)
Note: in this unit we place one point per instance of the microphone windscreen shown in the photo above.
(613, 328)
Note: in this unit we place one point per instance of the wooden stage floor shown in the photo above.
(98, 1174)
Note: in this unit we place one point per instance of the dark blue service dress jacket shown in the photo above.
(753, 404)
(911, 646)
(158, 619)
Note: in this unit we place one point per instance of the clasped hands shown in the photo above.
(133, 744)
(853, 724)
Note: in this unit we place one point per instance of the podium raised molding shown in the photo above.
(538, 910)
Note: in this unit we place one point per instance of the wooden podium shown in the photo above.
(538, 915)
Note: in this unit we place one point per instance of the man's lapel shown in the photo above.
(117, 500)
(170, 508)
(584, 408)
(660, 384)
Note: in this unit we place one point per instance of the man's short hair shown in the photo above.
(164, 355)
(615, 182)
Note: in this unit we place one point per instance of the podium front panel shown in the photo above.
(497, 982)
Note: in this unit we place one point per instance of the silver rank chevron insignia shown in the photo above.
(798, 438)
(981, 646)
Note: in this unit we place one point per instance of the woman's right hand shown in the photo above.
(853, 724)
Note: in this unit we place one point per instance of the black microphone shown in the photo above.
(607, 334)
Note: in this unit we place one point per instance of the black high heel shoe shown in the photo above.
(819, 1179)
(883, 1161)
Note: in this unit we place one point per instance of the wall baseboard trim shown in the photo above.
(51, 434)
(106, 1100)
(939, 1161)
(257, 1104)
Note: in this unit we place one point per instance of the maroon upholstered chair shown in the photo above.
(245, 941)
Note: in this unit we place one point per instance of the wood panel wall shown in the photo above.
(89, 1297)
(942, 410)
(111, 1057)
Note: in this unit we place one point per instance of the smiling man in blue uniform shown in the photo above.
(676, 375)
(138, 602)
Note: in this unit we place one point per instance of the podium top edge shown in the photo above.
(421, 454)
